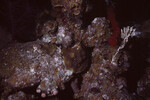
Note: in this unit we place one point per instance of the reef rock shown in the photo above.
(27, 64)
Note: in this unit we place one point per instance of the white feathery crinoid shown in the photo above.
(126, 32)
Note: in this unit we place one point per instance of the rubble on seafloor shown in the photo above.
(60, 53)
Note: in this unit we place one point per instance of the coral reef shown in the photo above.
(60, 53)
(52, 60)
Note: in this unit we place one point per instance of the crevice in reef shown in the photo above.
(66, 94)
